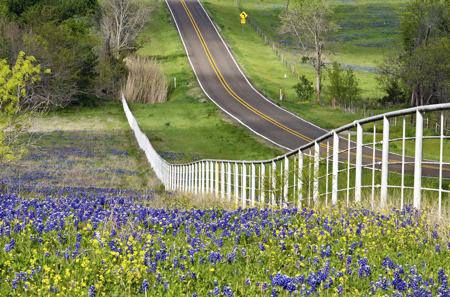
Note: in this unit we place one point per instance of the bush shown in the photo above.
(343, 86)
(304, 89)
(146, 82)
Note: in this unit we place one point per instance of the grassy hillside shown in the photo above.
(269, 75)
(188, 126)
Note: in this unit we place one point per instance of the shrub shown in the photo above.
(343, 86)
(304, 89)
(146, 82)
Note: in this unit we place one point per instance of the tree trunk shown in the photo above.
(318, 73)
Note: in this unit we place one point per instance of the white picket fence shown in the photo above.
(344, 165)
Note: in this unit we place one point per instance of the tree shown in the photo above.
(343, 85)
(421, 69)
(122, 20)
(304, 88)
(309, 22)
(426, 71)
(15, 83)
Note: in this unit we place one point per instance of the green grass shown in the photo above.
(189, 126)
(80, 147)
(368, 29)
(266, 71)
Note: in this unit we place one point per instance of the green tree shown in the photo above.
(15, 82)
(343, 86)
(304, 88)
(422, 66)
(309, 21)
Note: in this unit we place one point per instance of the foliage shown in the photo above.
(94, 243)
(309, 22)
(14, 85)
(62, 35)
(423, 66)
(427, 72)
(394, 93)
(343, 85)
(304, 88)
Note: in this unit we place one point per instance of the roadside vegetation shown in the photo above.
(368, 37)
(188, 126)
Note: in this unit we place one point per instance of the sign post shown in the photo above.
(243, 16)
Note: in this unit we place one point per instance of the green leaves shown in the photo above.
(14, 84)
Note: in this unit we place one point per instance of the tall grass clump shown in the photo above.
(146, 82)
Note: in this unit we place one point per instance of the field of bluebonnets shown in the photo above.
(70, 227)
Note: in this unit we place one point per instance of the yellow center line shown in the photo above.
(230, 91)
(228, 87)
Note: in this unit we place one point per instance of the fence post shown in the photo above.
(196, 178)
(253, 185)
(262, 184)
(190, 179)
(229, 181)
(402, 190)
(441, 150)
(217, 178)
(211, 178)
(236, 182)
(300, 179)
(177, 178)
(358, 169)
(244, 185)
(274, 182)
(222, 180)
(207, 176)
(285, 181)
(202, 177)
(170, 178)
(385, 163)
(348, 168)
(418, 160)
(334, 186)
(327, 173)
(316, 173)
(185, 178)
(372, 200)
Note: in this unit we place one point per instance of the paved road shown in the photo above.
(224, 83)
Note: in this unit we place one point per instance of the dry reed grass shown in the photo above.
(146, 82)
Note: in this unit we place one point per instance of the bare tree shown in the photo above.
(309, 22)
(122, 20)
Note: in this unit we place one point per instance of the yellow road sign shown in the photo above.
(242, 21)
(243, 15)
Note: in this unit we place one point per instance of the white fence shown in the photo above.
(351, 164)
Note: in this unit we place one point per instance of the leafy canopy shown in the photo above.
(14, 82)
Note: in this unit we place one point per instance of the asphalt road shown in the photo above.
(224, 83)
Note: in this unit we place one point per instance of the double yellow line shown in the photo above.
(233, 94)
(227, 87)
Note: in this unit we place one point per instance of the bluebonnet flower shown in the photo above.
(92, 291)
(364, 268)
(398, 283)
(9, 246)
(227, 291)
(214, 257)
(144, 285)
(231, 257)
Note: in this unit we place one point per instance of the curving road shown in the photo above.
(225, 84)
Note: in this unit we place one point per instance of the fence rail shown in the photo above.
(353, 163)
